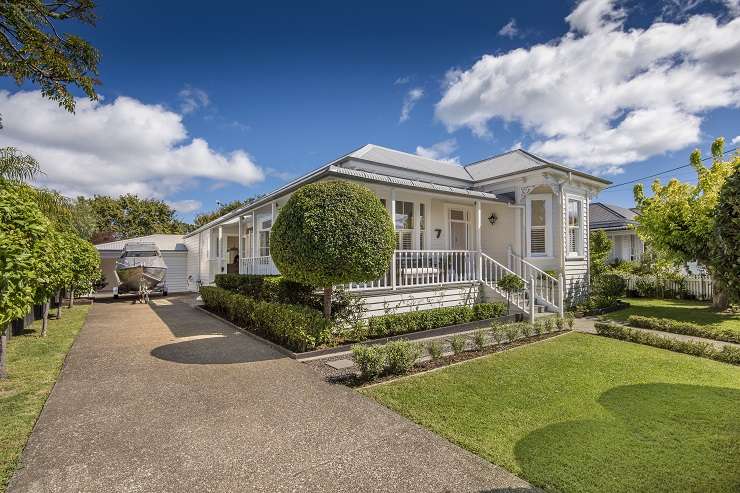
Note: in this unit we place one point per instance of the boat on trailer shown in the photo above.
(140, 269)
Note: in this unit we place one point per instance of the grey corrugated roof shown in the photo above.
(517, 161)
(400, 159)
(608, 216)
(415, 184)
(163, 242)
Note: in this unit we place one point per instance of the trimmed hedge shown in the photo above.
(298, 328)
(686, 328)
(404, 323)
(274, 289)
(727, 354)
(392, 358)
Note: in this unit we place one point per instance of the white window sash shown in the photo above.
(547, 198)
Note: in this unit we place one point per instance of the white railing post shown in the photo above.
(531, 300)
(393, 270)
(508, 256)
(561, 295)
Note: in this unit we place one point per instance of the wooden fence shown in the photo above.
(698, 286)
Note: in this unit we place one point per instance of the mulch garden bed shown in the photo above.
(350, 376)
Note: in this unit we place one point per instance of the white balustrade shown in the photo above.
(261, 266)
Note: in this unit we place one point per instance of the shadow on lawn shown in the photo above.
(654, 437)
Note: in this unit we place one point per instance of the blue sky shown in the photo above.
(288, 87)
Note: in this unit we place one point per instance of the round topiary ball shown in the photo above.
(332, 232)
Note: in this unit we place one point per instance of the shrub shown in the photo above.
(645, 287)
(458, 344)
(570, 320)
(497, 333)
(434, 348)
(400, 356)
(550, 323)
(510, 284)
(275, 289)
(728, 354)
(371, 360)
(297, 328)
(484, 311)
(526, 329)
(687, 328)
(407, 322)
(512, 331)
(538, 327)
(607, 288)
(479, 339)
(332, 232)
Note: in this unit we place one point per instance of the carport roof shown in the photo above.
(165, 243)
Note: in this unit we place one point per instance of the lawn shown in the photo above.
(33, 365)
(684, 310)
(582, 413)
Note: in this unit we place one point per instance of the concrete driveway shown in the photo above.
(165, 398)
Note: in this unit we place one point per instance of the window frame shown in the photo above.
(580, 252)
(547, 198)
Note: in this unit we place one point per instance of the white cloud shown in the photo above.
(124, 146)
(441, 151)
(409, 102)
(516, 145)
(606, 97)
(402, 80)
(186, 206)
(192, 98)
(509, 30)
(736, 140)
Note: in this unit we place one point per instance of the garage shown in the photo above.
(174, 252)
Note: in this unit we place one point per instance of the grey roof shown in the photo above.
(517, 161)
(163, 242)
(400, 159)
(415, 184)
(608, 216)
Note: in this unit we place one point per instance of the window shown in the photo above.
(459, 229)
(575, 227)
(633, 247)
(538, 228)
(265, 226)
(404, 219)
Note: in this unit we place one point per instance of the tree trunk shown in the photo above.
(59, 304)
(327, 302)
(720, 300)
(3, 350)
(71, 298)
(45, 319)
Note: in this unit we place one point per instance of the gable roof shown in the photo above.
(518, 161)
(609, 216)
(405, 160)
(163, 242)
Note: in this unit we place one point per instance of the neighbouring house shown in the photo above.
(459, 229)
(174, 252)
(618, 223)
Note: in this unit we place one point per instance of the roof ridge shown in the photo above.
(492, 157)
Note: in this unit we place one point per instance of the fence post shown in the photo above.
(508, 256)
(561, 295)
(531, 300)
(393, 271)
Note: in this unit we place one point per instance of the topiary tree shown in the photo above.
(725, 259)
(85, 266)
(510, 284)
(332, 232)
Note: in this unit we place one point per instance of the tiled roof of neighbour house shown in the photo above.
(404, 160)
(163, 242)
(517, 161)
(608, 216)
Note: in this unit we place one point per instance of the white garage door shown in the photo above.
(177, 275)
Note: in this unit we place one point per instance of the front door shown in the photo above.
(459, 229)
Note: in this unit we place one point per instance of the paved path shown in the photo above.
(165, 398)
(587, 325)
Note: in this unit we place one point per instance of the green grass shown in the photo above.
(33, 364)
(697, 312)
(582, 413)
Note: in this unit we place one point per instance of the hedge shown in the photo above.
(686, 328)
(404, 323)
(275, 289)
(727, 354)
(297, 328)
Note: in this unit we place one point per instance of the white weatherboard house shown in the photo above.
(459, 229)
(618, 223)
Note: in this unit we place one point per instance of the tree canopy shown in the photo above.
(207, 217)
(725, 258)
(599, 247)
(332, 232)
(33, 48)
(678, 219)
